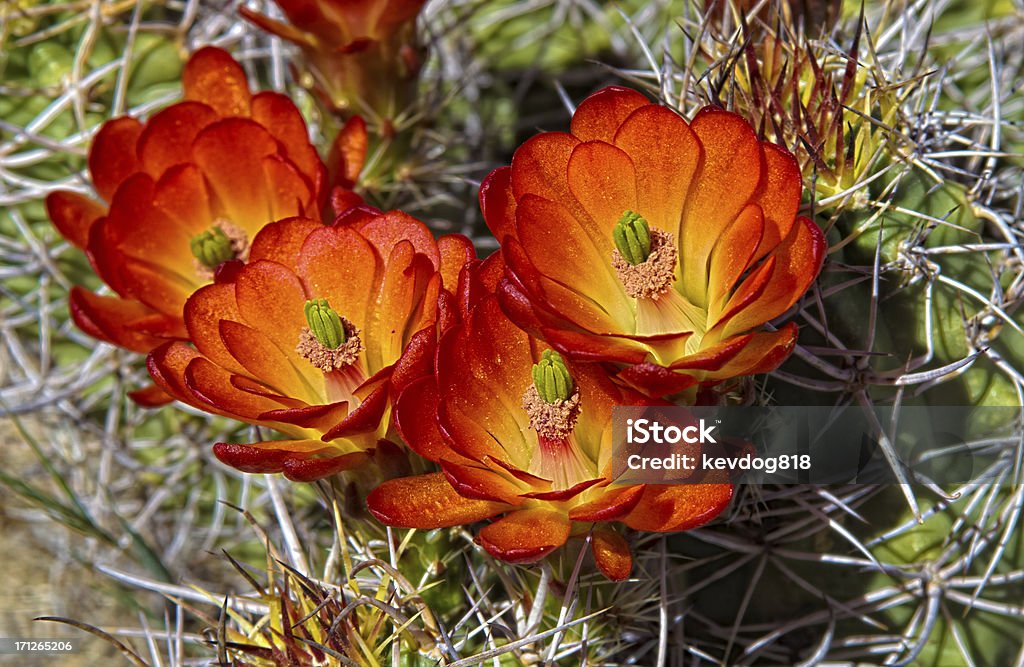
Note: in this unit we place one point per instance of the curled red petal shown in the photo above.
(612, 504)
(150, 396)
(309, 470)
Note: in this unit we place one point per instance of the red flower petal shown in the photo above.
(655, 380)
(416, 419)
(599, 116)
(498, 203)
(611, 553)
(670, 508)
(167, 139)
(666, 155)
(212, 77)
(602, 178)
(612, 504)
(266, 457)
(278, 113)
(732, 254)
(426, 501)
(282, 240)
(455, 251)
(539, 165)
(779, 197)
(111, 319)
(73, 215)
(112, 157)
(150, 396)
(480, 483)
(365, 418)
(729, 175)
(166, 365)
(525, 536)
(230, 153)
(310, 470)
(799, 259)
(348, 153)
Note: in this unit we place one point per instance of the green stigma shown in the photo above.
(325, 324)
(632, 237)
(551, 378)
(212, 247)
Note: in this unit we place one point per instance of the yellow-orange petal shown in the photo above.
(182, 197)
(611, 553)
(213, 386)
(426, 501)
(762, 353)
(539, 165)
(779, 197)
(525, 536)
(732, 254)
(798, 261)
(670, 508)
(455, 251)
(338, 264)
(560, 249)
(167, 139)
(281, 241)
(729, 175)
(602, 178)
(278, 113)
(281, 370)
(665, 155)
(270, 299)
(599, 116)
(230, 152)
(212, 76)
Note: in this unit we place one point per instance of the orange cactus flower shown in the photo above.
(308, 337)
(662, 245)
(362, 54)
(185, 191)
(520, 432)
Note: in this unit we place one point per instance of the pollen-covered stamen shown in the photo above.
(330, 342)
(223, 241)
(654, 274)
(552, 401)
